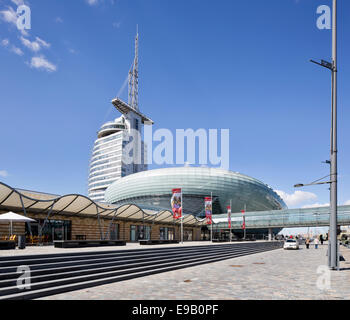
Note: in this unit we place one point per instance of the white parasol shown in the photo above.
(11, 216)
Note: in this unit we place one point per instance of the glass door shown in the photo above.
(171, 234)
(133, 233)
(58, 230)
(140, 233)
(188, 235)
(114, 231)
(162, 233)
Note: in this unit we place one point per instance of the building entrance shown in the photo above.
(53, 230)
(139, 233)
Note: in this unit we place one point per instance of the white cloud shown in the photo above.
(40, 62)
(5, 42)
(9, 15)
(17, 51)
(35, 45)
(32, 45)
(72, 51)
(116, 24)
(3, 173)
(18, 2)
(297, 198)
(59, 20)
(14, 49)
(42, 42)
(92, 2)
(24, 32)
(316, 205)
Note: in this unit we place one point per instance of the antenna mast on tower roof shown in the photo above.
(134, 76)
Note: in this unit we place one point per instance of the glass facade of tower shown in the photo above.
(106, 164)
(106, 159)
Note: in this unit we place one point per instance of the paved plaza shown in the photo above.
(272, 275)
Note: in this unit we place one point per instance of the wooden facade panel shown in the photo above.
(89, 227)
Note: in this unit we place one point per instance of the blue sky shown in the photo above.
(241, 65)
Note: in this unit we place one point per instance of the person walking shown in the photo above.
(307, 243)
(321, 239)
(316, 241)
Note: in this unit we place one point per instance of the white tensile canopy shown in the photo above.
(11, 216)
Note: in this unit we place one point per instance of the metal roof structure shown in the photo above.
(80, 205)
(124, 108)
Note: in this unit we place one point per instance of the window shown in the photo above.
(53, 230)
(188, 235)
(114, 231)
(163, 234)
(136, 124)
(143, 232)
(140, 233)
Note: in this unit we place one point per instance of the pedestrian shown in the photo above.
(316, 243)
(307, 243)
(321, 239)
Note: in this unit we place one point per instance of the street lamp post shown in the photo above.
(333, 243)
(333, 247)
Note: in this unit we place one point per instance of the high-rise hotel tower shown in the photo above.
(112, 154)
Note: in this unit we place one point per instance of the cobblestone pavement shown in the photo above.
(273, 275)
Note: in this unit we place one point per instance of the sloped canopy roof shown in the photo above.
(18, 199)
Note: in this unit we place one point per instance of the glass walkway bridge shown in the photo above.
(288, 218)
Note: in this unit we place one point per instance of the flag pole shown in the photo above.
(182, 220)
(211, 230)
(245, 208)
(230, 221)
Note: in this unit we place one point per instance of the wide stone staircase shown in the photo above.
(57, 273)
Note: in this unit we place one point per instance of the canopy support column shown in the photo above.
(45, 221)
(25, 214)
(150, 234)
(110, 225)
(143, 223)
(99, 223)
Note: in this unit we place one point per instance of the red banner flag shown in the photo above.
(243, 226)
(176, 203)
(229, 216)
(208, 209)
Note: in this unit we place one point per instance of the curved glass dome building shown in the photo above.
(152, 189)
